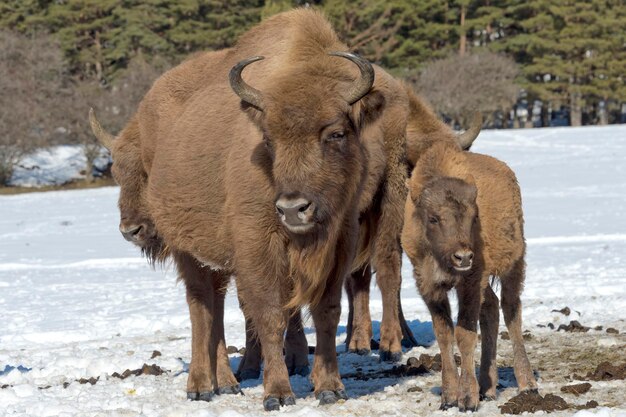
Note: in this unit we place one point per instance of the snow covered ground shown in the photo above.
(77, 301)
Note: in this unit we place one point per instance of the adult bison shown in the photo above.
(267, 185)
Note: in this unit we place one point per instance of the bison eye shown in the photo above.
(336, 136)
(433, 220)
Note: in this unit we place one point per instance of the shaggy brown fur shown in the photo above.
(462, 225)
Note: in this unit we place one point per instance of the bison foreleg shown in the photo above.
(270, 322)
(358, 339)
(296, 346)
(202, 380)
(326, 379)
(389, 279)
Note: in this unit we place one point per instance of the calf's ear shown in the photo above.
(368, 109)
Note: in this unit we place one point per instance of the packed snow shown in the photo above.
(77, 301)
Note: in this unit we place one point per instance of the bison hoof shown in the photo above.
(248, 374)
(387, 356)
(289, 400)
(447, 405)
(200, 396)
(471, 408)
(233, 389)
(485, 397)
(271, 404)
(362, 352)
(331, 397)
(300, 370)
(274, 403)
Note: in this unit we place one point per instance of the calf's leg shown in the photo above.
(466, 334)
(489, 322)
(439, 308)
(512, 285)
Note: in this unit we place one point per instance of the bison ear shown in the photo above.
(368, 109)
(416, 185)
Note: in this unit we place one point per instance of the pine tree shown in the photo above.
(571, 52)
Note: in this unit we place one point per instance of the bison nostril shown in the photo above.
(280, 211)
(304, 208)
(457, 257)
(130, 233)
(470, 256)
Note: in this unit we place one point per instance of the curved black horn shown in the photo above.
(247, 93)
(364, 84)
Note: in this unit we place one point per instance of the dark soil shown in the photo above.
(532, 402)
(576, 389)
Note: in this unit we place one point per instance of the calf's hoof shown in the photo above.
(387, 356)
(300, 370)
(246, 374)
(331, 397)
(233, 389)
(445, 405)
(274, 403)
(200, 396)
(362, 352)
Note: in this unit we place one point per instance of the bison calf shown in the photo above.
(462, 225)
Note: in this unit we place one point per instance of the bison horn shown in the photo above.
(104, 137)
(247, 93)
(466, 138)
(364, 84)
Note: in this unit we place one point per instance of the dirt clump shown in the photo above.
(91, 380)
(576, 389)
(608, 372)
(144, 370)
(574, 326)
(612, 330)
(155, 353)
(532, 402)
(565, 311)
(232, 349)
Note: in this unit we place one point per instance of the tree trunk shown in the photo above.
(575, 109)
(98, 63)
(463, 40)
